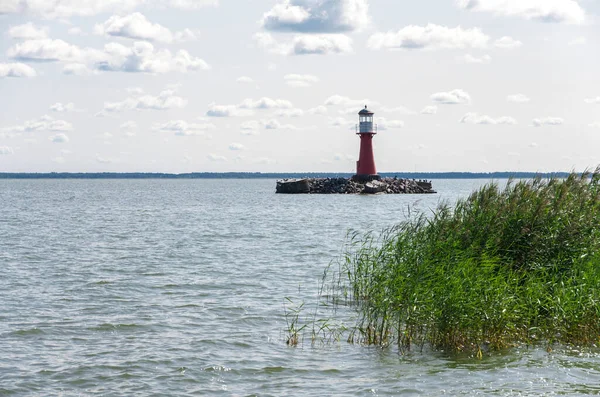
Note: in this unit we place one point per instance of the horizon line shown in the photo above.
(260, 174)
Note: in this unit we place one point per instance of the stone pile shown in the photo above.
(349, 186)
(395, 185)
(334, 185)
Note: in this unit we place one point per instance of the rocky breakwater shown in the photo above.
(349, 186)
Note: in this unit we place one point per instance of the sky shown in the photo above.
(275, 85)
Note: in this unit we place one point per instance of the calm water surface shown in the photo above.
(177, 287)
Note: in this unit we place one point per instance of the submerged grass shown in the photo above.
(518, 265)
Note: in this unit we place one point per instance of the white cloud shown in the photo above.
(216, 157)
(129, 127)
(245, 79)
(265, 103)
(142, 57)
(236, 146)
(306, 44)
(429, 110)
(273, 124)
(6, 150)
(593, 100)
(67, 8)
(453, 97)
(561, 11)
(474, 118)
(507, 43)
(137, 26)
(189, 4)
(300, 80)
(77, 69)
(295, 112)
(317, 110)
(44, 123)
(186, 35)
(267, 41)
(336, 100)
(249, 127)
(165, 100)
(384, 124)
(59, 138)
(547, 121)
(429, 37)
(595, 124)
(215, 110)
(321, 45)
(317, 16)
(49, 50)
(246, 106)
(10, 6)
(518, 98)
(16, 70)
(134, 26)
(483, 60)
(183, 128)
(340, 122)
(59, 107)
(28, 31)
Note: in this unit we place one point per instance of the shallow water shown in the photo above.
(177, 287)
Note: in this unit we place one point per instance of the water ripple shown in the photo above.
(176, 287)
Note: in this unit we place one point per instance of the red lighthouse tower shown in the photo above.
(365, 166)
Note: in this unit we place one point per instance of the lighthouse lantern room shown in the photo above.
(365, 166)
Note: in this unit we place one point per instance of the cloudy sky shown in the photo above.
(275, 85)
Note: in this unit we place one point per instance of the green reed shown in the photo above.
(502, 267)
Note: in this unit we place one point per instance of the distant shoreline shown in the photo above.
(278, 175)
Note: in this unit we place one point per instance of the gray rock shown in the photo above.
(350, 186)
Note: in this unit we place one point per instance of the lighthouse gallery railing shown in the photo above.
(365, 127)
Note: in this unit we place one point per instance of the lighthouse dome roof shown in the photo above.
(365, 111)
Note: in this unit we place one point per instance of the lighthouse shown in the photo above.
(365, 166)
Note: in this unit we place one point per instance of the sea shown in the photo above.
(188, 287)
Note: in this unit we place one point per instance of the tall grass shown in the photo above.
(502, 267)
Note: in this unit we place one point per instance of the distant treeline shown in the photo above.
(278, 175)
